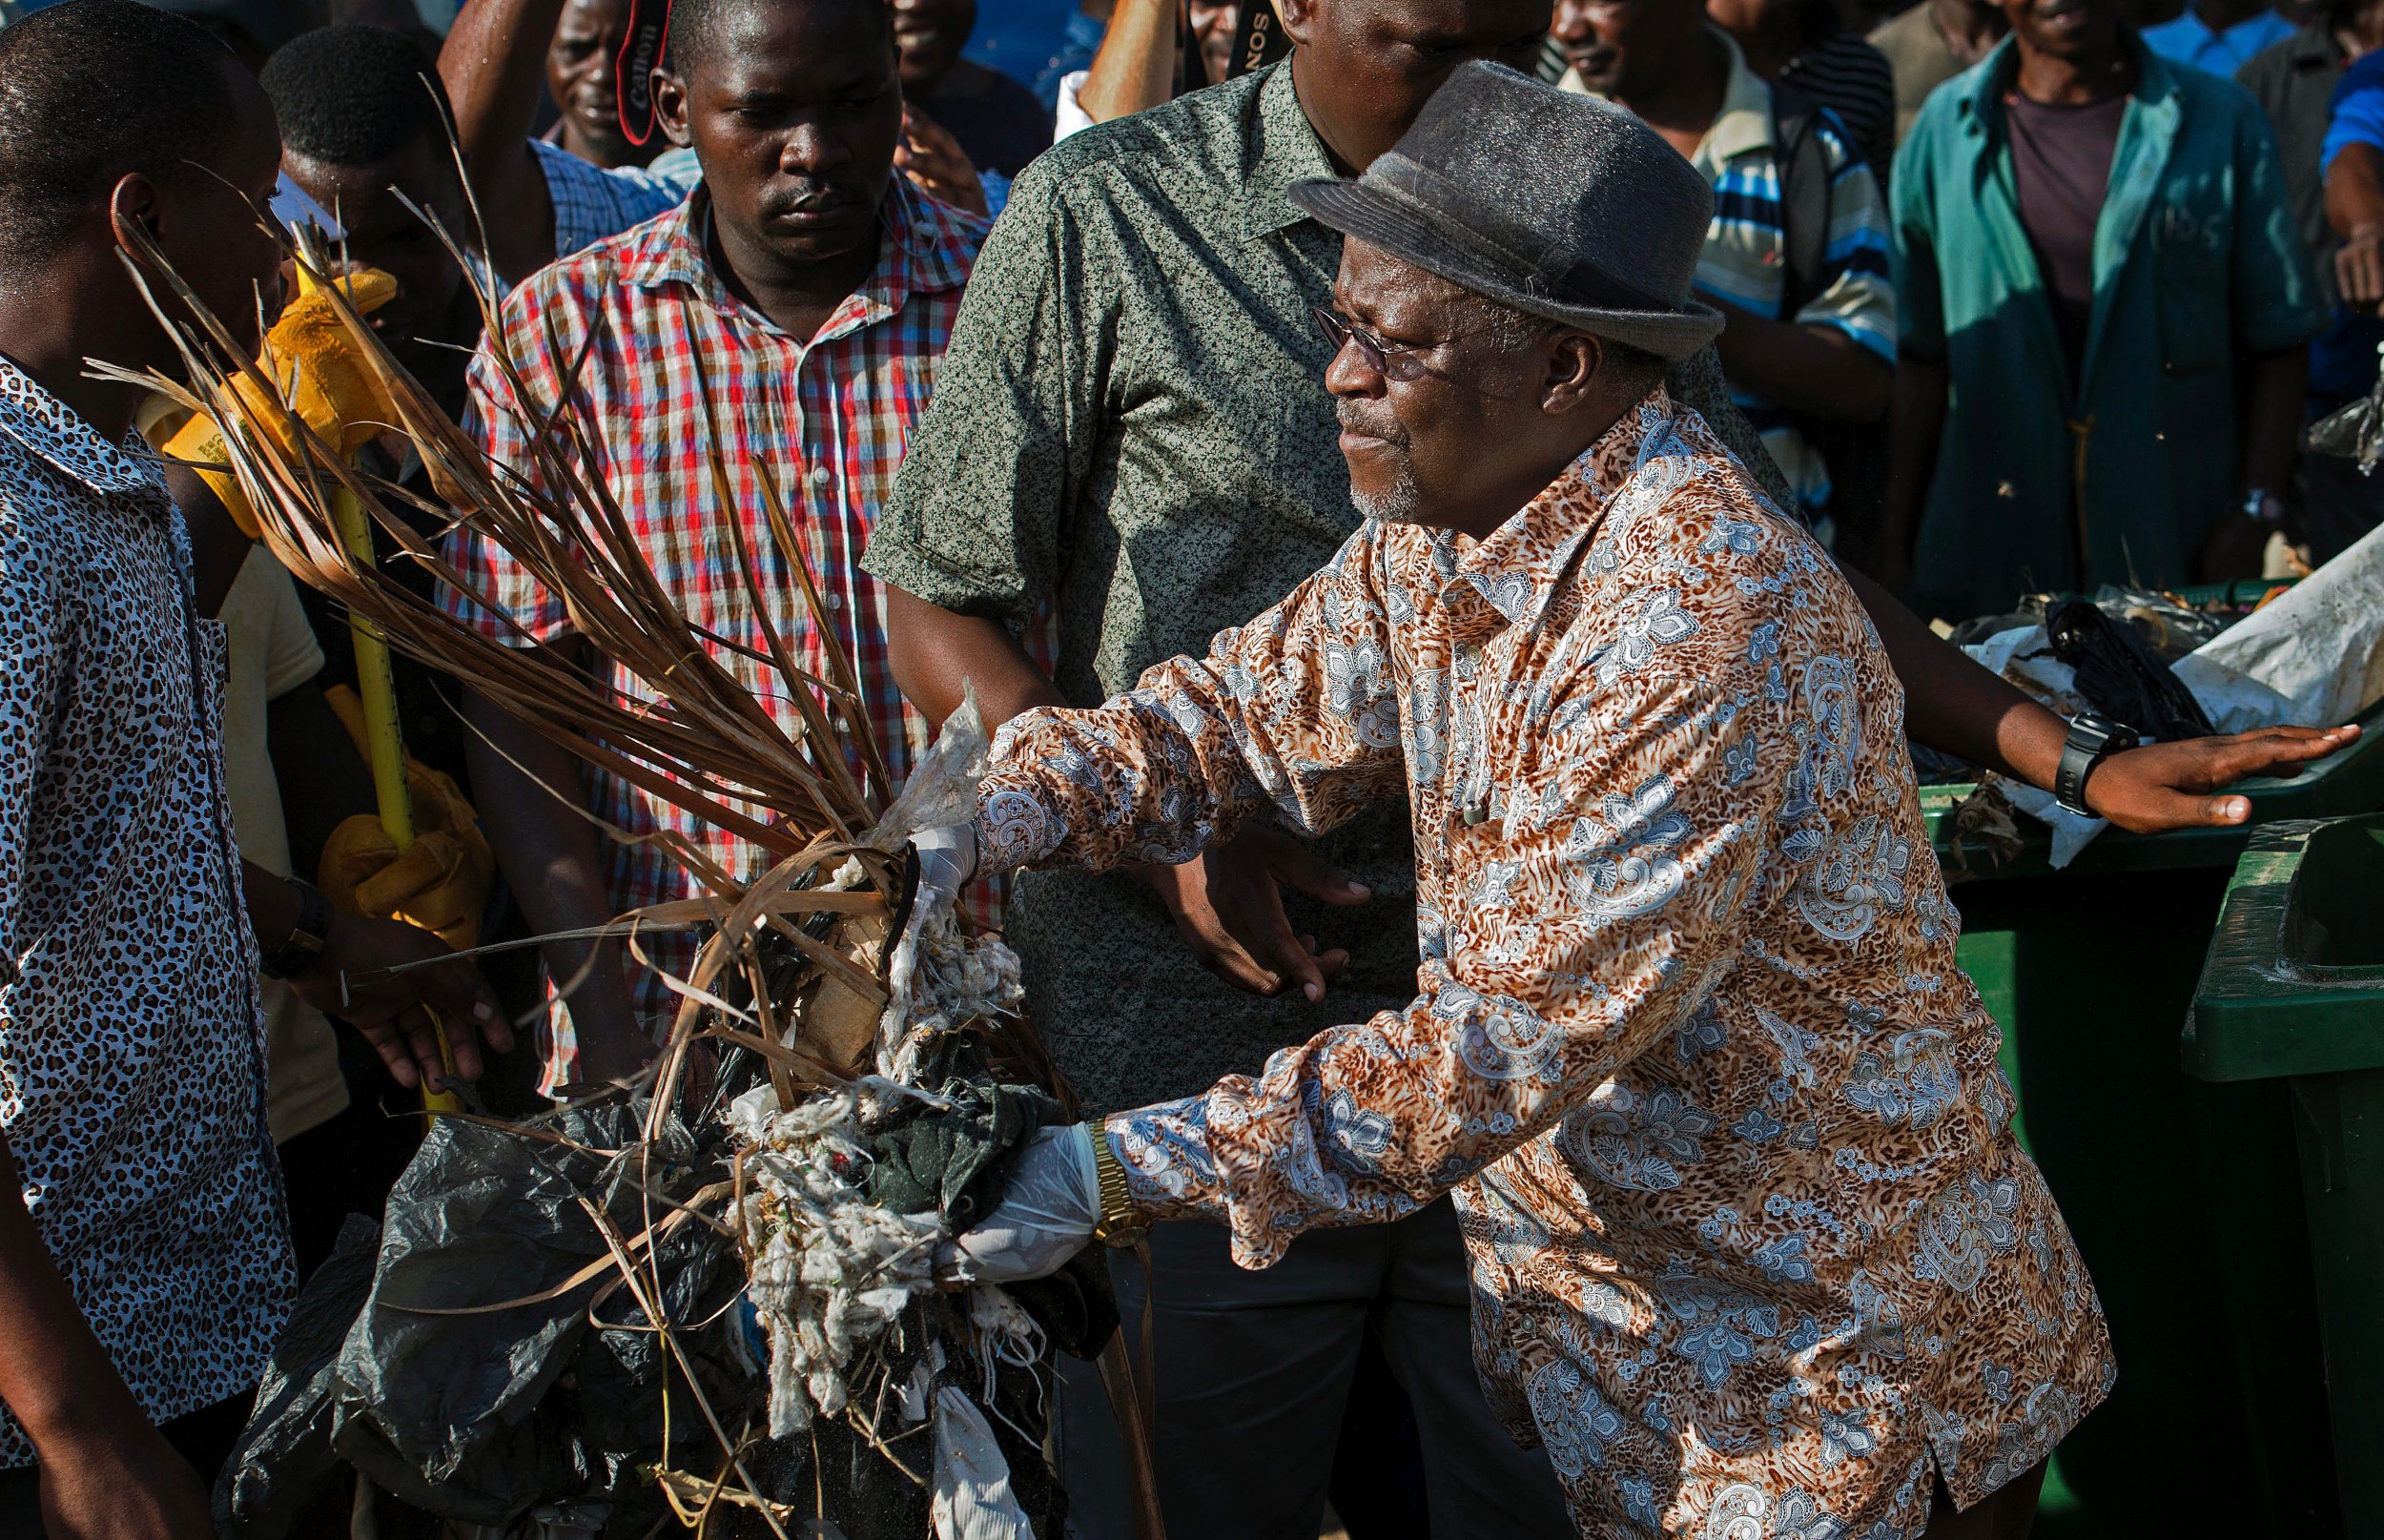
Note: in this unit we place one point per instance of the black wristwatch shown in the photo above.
(2091, 739)
(305, 943)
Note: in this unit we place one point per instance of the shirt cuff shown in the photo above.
(1169, 1171)
(1013, 827)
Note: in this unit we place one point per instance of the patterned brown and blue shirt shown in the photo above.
(1753, 1248)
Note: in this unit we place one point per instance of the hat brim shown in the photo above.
(1364, 214)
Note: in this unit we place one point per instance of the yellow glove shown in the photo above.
(323, 377)
(442, 884)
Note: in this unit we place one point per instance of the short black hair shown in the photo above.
(355, 96)
(91, 91)
(696, 27)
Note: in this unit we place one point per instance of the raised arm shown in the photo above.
(1135, 66)
(494, 65)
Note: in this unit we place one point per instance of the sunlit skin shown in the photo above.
(433, 312)
(1485, 425)
(581, 78)
(1365, 68)
(794, 112)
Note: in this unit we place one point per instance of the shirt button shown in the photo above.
(835, 600)
(820, 477)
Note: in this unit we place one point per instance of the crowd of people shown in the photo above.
(1498, 463)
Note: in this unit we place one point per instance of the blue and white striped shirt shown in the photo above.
(1745, 262)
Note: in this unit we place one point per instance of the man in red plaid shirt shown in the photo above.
(818, 289)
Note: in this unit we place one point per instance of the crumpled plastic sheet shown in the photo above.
(2312, 657)
(461, 1414)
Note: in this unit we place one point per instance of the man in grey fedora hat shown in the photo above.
(1129, 443)
(1754, 1249)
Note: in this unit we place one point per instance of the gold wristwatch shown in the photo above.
(1121, 1224)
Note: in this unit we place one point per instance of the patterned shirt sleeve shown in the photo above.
(592, 203)
(30, 616)
(1858, 294)
(1607, 920)
(1295, 710)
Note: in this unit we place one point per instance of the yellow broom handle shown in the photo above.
(375, 687)
(383, 737)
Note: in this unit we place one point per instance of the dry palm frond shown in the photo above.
(694, 734)
(804, 784)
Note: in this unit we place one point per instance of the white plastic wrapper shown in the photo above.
(971, 1499)
(2315, 657)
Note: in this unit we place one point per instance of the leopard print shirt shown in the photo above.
(131, 1047)
(1754, 1252)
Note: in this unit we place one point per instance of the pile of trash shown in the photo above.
(721, 1309)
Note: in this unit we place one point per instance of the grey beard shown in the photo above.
(1396, 507)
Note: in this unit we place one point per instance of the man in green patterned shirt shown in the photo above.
(1131, 433)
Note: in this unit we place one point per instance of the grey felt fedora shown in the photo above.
(1560, 205)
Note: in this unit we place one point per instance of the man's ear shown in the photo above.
(670, 108)
(134, 200)
(1298, 16)
(1575, 361)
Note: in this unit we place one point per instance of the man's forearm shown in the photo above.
(54, 1375)
(1953, 703)
(218, 549)
(937, 655)
(1135, 66)
(1815, 369)
(494, 66)
(2354, 188)
(530, 800)
(1916, 421)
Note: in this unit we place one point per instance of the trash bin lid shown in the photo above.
(2295, 981)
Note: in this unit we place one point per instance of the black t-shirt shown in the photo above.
(998, 122)
(2060, 163)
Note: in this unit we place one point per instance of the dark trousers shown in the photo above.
(205, 1438)
(1253, 1373)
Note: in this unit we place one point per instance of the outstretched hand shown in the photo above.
(401, 1013)
(1228, 903)
(2165, 786)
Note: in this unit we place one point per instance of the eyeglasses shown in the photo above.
(1395, 361)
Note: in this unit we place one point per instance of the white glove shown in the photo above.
(1047, 1214)
(947, 860)
(944, 858)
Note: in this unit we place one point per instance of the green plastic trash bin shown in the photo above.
(2294, 992)
(2184, 1195)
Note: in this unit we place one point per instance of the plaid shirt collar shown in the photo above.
(923, 248)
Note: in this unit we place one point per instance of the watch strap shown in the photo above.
(2091, 739)
(304, 945)
(1122, 1222)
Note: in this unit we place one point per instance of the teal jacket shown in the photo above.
(2040, 485)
